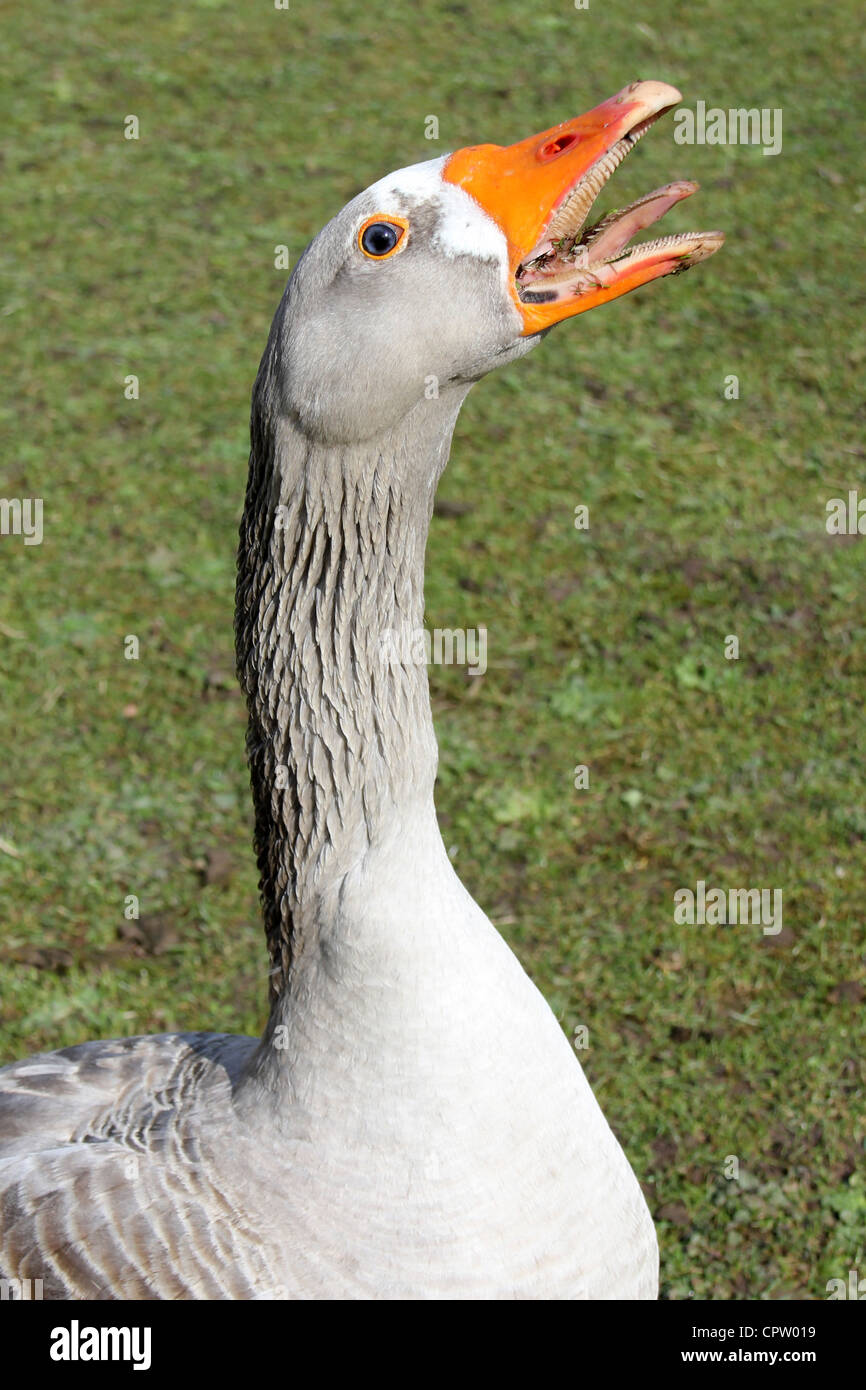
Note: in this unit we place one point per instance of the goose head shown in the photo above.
(444, 270)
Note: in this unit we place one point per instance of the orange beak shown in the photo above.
(540, 191)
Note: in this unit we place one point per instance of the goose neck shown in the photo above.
(330, 602)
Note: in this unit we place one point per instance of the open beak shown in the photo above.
(541, 191)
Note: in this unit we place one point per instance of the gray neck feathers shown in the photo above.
(330, 589)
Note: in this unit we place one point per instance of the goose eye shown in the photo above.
(379, 239)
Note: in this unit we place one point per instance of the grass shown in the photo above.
(606, 647)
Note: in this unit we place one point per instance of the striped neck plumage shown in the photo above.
(330, 593)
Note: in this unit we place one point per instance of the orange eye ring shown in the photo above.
(387, 222)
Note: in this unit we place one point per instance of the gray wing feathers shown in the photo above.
(106, 1185)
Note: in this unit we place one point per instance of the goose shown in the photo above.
(413, 1123)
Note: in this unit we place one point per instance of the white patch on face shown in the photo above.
(465, 229)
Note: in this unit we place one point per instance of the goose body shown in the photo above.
(413, 1122)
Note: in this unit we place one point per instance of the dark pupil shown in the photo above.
(379, 239)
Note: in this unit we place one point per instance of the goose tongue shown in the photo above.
(540, 192)
(605, 238)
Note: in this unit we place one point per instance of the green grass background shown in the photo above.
(605, 647)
